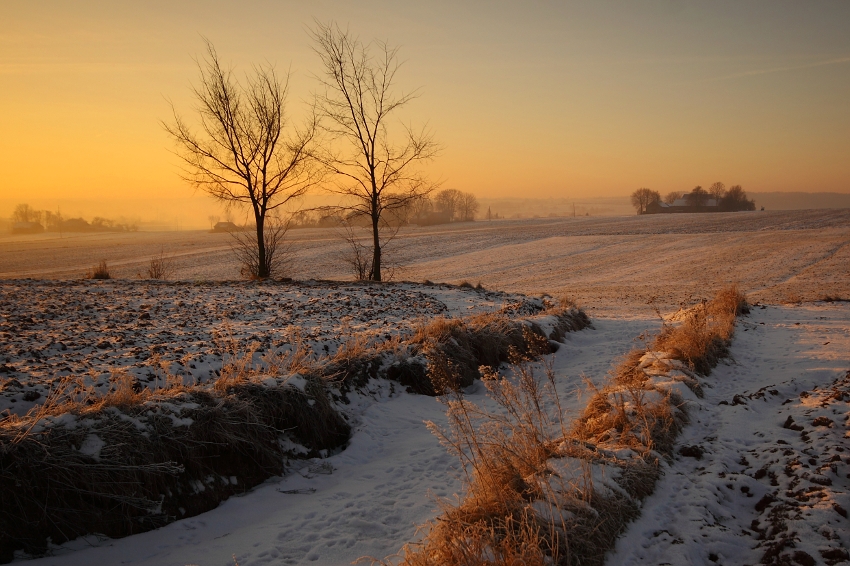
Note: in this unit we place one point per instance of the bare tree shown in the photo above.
(467, 207)
(419, 208)
(672, 197)
(642, 197)
(246, 154)
(717, 191)
(697, 197)
(374, 161)
(25, 213)
(447, 202)
(736, 199)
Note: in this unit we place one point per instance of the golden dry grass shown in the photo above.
(182, 434)
(516, 509)
(99, 271)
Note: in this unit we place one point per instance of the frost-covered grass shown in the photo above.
(51, 330)
(134, 457)
(542, 490)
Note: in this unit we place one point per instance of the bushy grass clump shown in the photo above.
(99, 271)
(533, 492)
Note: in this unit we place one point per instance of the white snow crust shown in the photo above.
(366, 500)
(754, 473)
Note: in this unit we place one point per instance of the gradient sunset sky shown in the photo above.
(532, 99)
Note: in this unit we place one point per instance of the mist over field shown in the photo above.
(192, 212)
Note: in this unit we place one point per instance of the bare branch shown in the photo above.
(374, 171)
(246, 153)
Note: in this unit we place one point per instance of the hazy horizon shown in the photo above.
(574, 100)
(196, 209)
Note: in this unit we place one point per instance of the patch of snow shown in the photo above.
(91, 446)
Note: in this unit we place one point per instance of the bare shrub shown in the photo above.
(274, 261)
(159, 267)
(358, 255)
(99, 271)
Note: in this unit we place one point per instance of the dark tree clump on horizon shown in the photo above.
(643, 197)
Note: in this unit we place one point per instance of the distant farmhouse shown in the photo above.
(685, 203)
(226, 227)
(27, 228)
(698, 200)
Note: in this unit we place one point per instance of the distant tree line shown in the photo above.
(448, 205)
(733, 199)
(27, 219)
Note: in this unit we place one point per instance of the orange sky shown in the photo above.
(538, 99)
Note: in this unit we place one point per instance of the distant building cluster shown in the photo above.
(685, 203)
(716, 199)
(27, 220)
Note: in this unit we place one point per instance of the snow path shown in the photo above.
(381, 486)
(703, 510)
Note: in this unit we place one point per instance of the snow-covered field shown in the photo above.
(365, 501)
(762, 478)
(773, 431)
(609, 264)
(54, 329)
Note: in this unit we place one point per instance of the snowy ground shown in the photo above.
(774, 432)
(610, 265)
(367, 499)
(54, 329)
(364, 501)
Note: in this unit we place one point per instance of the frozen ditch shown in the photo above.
(365, 500)
(762, 473)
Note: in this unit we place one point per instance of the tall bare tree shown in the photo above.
(247, 153)
(447, 201)
(467, 207)
(25, 213)
(717, 191)
(375, 160)
(642, 197)
(672, 197)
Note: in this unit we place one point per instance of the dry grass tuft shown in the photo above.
(523, 505)
(192, 447)
(530, 493)
(99, 271)
(486, 340)
(159, 267)
(703, 336)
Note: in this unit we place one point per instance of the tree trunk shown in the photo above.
(262, 267)
(376, 250)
